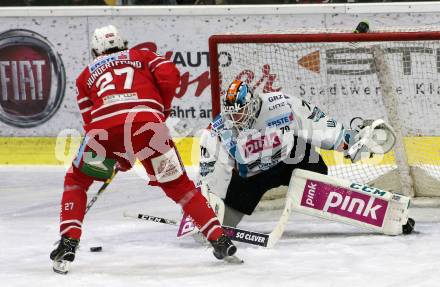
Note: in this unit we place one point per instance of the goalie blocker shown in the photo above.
(347, 202)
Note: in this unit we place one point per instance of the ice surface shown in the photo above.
(135, 253)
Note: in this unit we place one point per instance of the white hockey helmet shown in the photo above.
(240, 105)
(107, 39)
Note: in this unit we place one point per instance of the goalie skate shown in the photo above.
(408, 228)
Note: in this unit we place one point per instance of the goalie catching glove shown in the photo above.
(368, 137)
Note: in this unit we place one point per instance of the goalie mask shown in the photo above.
(240, 105)
(107, 40)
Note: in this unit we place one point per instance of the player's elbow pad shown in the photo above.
(167, 75)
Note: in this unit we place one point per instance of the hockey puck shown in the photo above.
(96, 249)
(362, 27)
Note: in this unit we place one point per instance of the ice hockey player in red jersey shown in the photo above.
(124, 97)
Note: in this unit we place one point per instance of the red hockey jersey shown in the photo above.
(130, 81)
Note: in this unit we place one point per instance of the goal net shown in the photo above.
(394, 75)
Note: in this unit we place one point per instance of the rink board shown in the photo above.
(44, 150)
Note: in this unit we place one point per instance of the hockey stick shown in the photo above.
(278, 231)
(101, 190)
(95, 197)
(236, 234)
(241, 235)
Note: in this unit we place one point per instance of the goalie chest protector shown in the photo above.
(264, 146)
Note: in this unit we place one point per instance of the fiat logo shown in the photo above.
(32, 79)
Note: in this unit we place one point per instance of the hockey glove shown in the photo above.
(369, 137)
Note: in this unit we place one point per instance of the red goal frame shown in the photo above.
(215, 40)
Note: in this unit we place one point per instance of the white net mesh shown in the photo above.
(400, 83)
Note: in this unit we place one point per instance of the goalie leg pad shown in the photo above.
(352, 203)
(187, 225)
(215, 201)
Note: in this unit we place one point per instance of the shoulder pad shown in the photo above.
(101, 61)
(273, 96)
(218, 123)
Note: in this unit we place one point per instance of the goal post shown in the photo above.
(218, 40)
(392, 74)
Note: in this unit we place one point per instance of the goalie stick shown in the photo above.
(187, 226)
(229, 259)
(236, 234)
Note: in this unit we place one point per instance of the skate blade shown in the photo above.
(233, 260)
(201, 239)
(61, 267)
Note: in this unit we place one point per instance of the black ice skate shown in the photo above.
(224, 249)
(64, 254)
(409, 226)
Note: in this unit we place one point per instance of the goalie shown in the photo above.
(258, 140)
